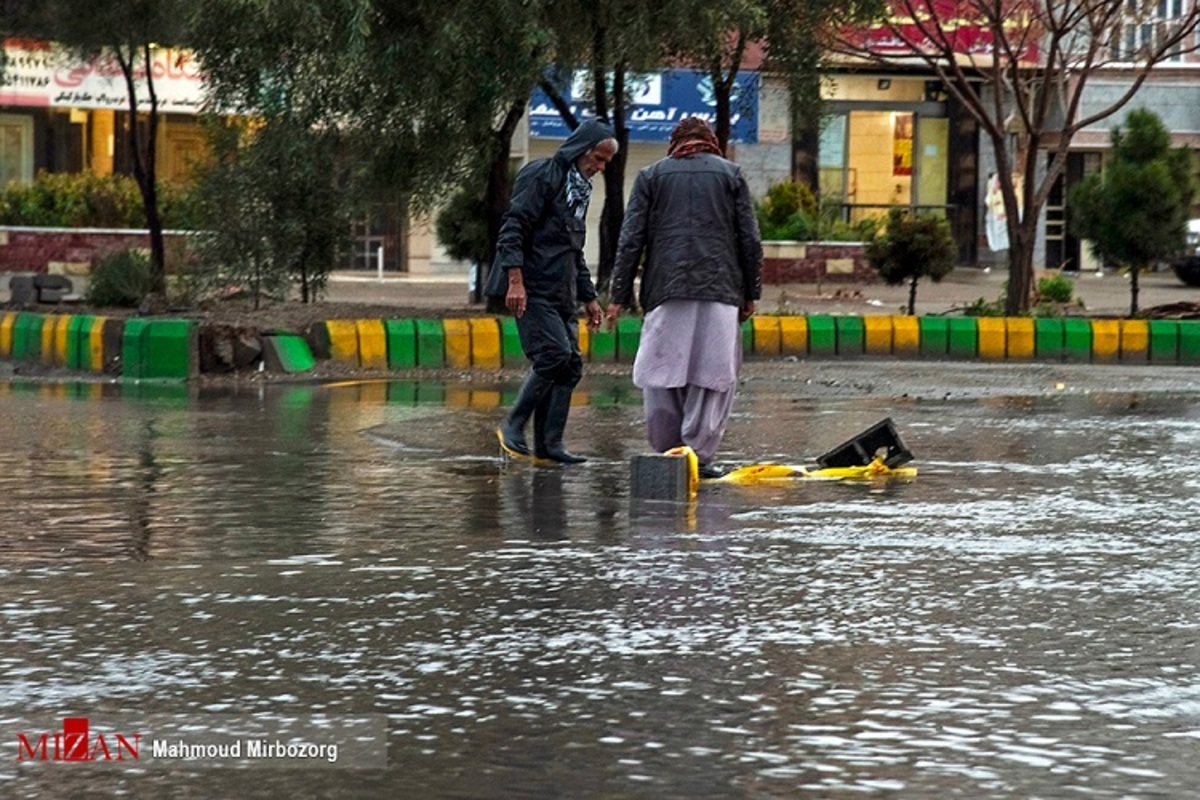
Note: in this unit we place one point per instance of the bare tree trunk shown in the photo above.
(1133, 290)
(498, 193)
(614, 174)
(912, 297)
(144, 157)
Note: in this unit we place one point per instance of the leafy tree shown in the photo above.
(274, 211)
(425, 95)
(130, 34)
(911, 248)
(1021, 70)
(1136, 212)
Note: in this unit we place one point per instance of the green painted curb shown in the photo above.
(851, 336)
(287, 352)
(1189, 341)
(602, 346)
(511, 353)
(401, 343)
(747, 338)
(1077, 339)
(1048, 340)
(822, 335)
(963, 337)
(170, 349)
(935, 336)
(1164, 341)
(629, 333)
(77, 330)
(27, 337)
(133, 348)
(88, 361)
(431, 343)
(403, 392)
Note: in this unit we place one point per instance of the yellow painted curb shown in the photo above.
(6, 334)
(793, 336)
(766, 335)
(61, 340)
(46, 354)
(585, 340)
(485, 343)
(1106, 340)
(1135, 340)
(906, 336)
(1021, 339)
(372, 343)
(993, 344)
(877, 333)
(95, 349)
(458, 343)
(343, 340)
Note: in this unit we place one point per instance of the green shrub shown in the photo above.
(911, 248)
(1056, 289)
(783, 201)
(462, 225)
(87, 200)
(121, 279)
(797, 227)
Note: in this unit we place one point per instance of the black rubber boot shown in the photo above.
(512, 430)
(548, 440)
(539, 426)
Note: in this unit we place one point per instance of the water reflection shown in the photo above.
(1020, 621)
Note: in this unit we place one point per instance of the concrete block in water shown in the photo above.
(659, 477)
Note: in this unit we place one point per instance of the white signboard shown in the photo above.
(45, 76)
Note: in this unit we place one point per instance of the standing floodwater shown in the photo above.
(1021, 620)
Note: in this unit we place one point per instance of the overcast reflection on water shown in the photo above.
(1018, 621)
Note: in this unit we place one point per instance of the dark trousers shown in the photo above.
(550, 340)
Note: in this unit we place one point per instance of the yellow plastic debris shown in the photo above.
(693, 467)
(763, 473)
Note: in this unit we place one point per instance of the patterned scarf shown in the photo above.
(579, 191)
(691, 136)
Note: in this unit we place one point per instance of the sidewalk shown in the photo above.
(1103, 294)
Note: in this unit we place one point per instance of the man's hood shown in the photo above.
(583, 139)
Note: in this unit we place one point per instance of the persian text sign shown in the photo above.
(50, 77)
(659, 101)
(928, 26)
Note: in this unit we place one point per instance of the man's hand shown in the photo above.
(594, 315)
(614, 311)
(514, 301)
(747, 311)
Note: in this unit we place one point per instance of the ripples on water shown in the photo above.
(1019, 621)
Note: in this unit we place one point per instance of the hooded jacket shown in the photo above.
(541, 235)
(693, 220)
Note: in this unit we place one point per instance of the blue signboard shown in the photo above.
(659, 101)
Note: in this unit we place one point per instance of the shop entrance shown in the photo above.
(874, 160)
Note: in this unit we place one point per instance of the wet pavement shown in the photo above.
(1018, 621)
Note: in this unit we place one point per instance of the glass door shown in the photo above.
(16, 149)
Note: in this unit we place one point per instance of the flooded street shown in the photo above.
(1021, 620)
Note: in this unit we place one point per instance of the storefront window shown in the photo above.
(16, 149)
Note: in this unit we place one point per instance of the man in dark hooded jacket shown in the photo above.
(542, 276)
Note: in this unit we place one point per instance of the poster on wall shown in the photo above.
(658, 101)
(902, 145)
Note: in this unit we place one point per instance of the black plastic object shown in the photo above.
(879, 439)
